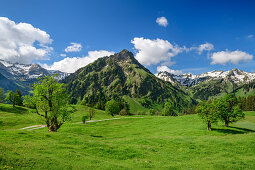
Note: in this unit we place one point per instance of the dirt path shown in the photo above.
(34, 127)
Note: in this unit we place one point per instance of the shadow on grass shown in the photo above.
(233, 130)
(11, 109)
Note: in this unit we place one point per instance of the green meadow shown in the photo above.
(134, 142)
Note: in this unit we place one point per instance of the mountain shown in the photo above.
(210, 84)
(23, 75)
(121, 74)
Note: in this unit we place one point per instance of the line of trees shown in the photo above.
(247, 103)
(14, 98)
(227, 109)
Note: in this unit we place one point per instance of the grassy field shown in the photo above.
(139, 143)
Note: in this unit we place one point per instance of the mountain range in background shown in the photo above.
(122, 75)
(212, 84)
(21, 76)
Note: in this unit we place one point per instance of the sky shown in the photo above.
(181, 36)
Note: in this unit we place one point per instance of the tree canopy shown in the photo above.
(50, 101)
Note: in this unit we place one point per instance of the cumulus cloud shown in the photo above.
(154, 51)
(165, 68)
(233, 57)
(74, 47)
(63, 55)
(18, 42)
(203, 47)
(162, 21)
(250, 36)
(70, 65)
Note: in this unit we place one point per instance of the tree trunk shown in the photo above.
(226, 123)
(209, 126)
(52, 128)
(53, 125)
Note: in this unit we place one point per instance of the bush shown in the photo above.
(84, 118)
(123, 112)
(152, 112)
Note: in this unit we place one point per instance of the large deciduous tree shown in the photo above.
(50, 101)
(228, 109)
(206, 111)
(112, 107)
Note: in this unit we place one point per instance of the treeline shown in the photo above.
(14, 98)
(247, 103)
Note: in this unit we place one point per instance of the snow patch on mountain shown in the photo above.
(27, 71)
(235, 75)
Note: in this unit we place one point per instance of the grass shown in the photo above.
(135, 107)
(151, 142)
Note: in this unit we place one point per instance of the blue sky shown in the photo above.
(111, 25)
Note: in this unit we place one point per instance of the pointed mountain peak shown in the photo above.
(124, 55)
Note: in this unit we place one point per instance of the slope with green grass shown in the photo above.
(119, 75)
(151, 142)
(135, 107)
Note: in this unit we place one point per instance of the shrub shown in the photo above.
(84, 118)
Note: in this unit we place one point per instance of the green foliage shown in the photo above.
(112, 107)
(169, 109)
(152, 112)
(50, 101)
(19, 100)
(11, 97)
(84, 118)
(1, 95)
(123, 112)
(122, 75)
(91, 113)
(206, 111)
(228, 109)
(14, 98)
(247, 103)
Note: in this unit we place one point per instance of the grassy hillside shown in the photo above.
(135, 107)
(119, 75)
(148, 142)
(18, 117)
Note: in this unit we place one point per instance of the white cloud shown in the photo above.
(233, 57)
(17, 42)
(165, 68)
(250, 36)
(74, 47)
(203, 47)
(154, 51)
(162, 21)
(70, 65)
(63, 55)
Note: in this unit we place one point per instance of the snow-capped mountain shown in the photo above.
(236, 76)
(26, 71)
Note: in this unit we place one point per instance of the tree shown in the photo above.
(1, 95)
(50, 101)
(152, 112)
(229, 109)
(84, 118)
(206, 111)
(112, 107)
(91, 113)
(19, 97)
(169, 109)
(11, 97)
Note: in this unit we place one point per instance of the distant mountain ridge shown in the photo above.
(235, 75)
(23, 75)
(210, 84)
